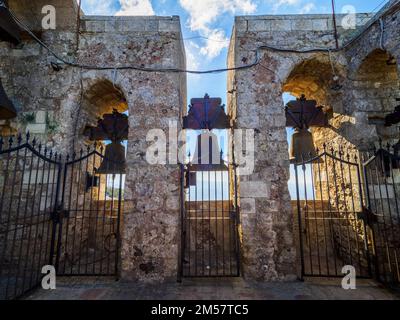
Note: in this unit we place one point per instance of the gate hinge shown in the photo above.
(368, 216)
(59, 214)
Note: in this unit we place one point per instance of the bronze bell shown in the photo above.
(208, 155)
(302, 146)
(9, 30)
(114, 161)
(7, 109)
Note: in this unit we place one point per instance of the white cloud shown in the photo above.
(192, 59)
(135, 8)
(203, 13)
(216, 42)
(307, 8)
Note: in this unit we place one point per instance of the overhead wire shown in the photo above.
(257, 60)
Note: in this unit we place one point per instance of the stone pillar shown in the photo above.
(268, 251)
(151, 225)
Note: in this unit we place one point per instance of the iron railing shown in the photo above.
(56, 211)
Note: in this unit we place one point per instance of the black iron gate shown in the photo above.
(53, 212)
(29, 185)
(330, 215)
(210, 222)
(348, 214)
(90, 216)
(382, 178)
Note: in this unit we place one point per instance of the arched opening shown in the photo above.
(94, 183)
(315, 79)
(324, 186)
(100, 99)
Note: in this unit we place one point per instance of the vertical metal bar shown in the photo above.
(385, 239)
(354, 227)
(216, 222)
(50, 223)
(90, 218)
(85, 221)
(337, 196)
(28, 255)
(55, 247)
(118, 231)
(182, 212)
(5, 183)
(47, 219)
(375, 236)
(299, 223)
(366, 247)
(187, 207)
(97, 208)
(331, 229)
(335, 24)
(237, 213)
(209, 220)
(323, 215)
(103, 218)
(346, 211)
(111, 214)
(75, 209)
(230, 222)
(8, 224)
(70, 183)
(223, 222)
(23, 225)
(304, 168)
(202, 224)
(195, 221)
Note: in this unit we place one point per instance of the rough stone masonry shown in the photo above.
(368, 86)
(57, 103)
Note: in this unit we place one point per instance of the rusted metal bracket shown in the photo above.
(368, 216)
(59, 214)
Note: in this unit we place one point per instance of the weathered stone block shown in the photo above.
(254, 189)
(36, 128)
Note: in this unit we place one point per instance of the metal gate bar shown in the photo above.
(90, 228)
(381, 178)
(210, 239)
(332, 232)
(54, 213)
(28, 195)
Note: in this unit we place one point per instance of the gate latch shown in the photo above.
(368, 216)
(59, 214)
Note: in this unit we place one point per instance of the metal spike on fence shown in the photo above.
(324, 146)
(51, 154)
(74, 155)
(10, 141)
(19, 138)
(34, 142)
(45, 150)
(81, 152)
(40, 147)
(27, 136)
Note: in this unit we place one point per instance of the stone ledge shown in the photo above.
(308, 22)
(98, 24)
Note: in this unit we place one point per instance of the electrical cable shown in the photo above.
(213, 71)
